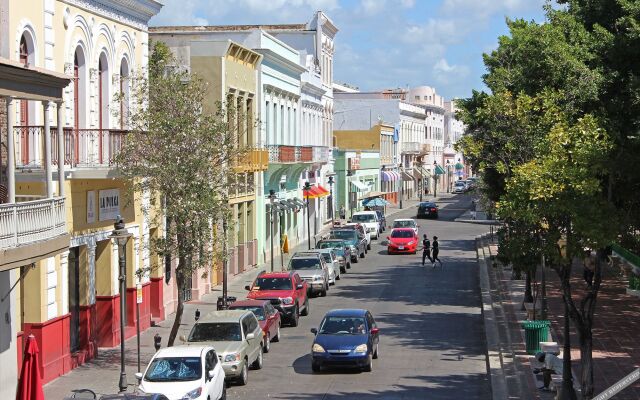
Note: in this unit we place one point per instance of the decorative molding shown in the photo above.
(135, 13)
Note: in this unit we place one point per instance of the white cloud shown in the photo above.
(482, 9)
(408, 3)
(372, 7)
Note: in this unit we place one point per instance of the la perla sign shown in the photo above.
(109, 204)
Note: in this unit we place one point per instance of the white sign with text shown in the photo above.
(109, 204)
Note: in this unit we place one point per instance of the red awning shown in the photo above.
(315, 192)
(324, 191)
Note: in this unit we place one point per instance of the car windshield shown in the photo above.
(363, 218)
(174, 369)
(459, 183)
(342, 326)
(331, 245)
(427, 205)
(272, 284)
(257, 310)
(304, 263)
(327, 257)
(404, 224)
(215, 332)
(401, 234)
(349, 235)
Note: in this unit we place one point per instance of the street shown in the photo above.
(432, 340)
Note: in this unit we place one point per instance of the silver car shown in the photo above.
(333, 263)
(313, 269)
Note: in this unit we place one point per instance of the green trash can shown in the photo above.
(534, 333)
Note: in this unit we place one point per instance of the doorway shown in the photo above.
(74, 298)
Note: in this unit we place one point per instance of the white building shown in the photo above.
(454, 129)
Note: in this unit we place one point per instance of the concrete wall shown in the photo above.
(8, 338)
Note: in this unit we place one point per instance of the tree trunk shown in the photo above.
(567, 392)
(179, 309)
(586, 362)
(528, 296)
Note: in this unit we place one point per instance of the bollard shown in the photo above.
(157, 341)
(197, 316)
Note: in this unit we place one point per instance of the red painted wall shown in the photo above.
(145, 308)
(53, 341)
(108, 317)
(156, 298)
(88, 332)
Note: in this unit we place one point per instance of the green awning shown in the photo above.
(439, 170)
(459, 166)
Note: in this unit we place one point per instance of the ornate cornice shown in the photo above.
(136, 13)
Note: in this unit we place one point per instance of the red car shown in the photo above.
(286, 291)
(402, 240)
(268, 318)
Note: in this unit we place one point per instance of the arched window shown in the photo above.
(103, 92)
(79, 89)
(124, 92)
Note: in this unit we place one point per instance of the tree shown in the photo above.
(182, 156)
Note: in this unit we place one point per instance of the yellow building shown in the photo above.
(62, 150)
(231, 70)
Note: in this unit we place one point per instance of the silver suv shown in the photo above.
(237, 337)
(313, 269)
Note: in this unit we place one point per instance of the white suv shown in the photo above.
(370, 221)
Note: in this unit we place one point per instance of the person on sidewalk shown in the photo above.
(426, 249)
(342, 212)
(473, 209)
(588, 264)
(551, 365)
(435, 249)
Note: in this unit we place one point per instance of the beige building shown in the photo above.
(58, 174)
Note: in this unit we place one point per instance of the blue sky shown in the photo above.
(383, 43)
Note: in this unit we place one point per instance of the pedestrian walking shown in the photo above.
(588, 263)
(426, 249)
(342, 212)
(552, 365)
(473, 209)
(435, 249)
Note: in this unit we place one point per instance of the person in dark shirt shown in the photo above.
(435, 246)
(426, 249)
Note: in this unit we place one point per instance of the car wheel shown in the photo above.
(267, 344)
(244, 374)
(368, 246)
(343, 270)
(355, 260)
(362, 255)
(348, 266)
(296, 316)
(369, 366)
(306, 308)
(257, 364)
(315, 367)
(375, 354)
(223, 395)
(276, 338)
(338, 276)
(323, 293)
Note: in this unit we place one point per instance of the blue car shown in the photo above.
(346, 338)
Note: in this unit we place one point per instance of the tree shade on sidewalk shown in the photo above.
(30, 383)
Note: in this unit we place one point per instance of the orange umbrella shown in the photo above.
(30, 383)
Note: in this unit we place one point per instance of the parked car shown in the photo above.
(383, 220)
(237, 337)
(369, 219)
(406, 223)
(125, 396)
(459, 187)
(362, 230)
(357, 243)
(402, 240)
(184, 372)
(268, 318)
(287, 292)
(345, 338)
(313, 269)
(342, 250)
(333, 264)
(427, 209)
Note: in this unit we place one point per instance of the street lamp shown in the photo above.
(307, 188)
(400, 184)
(448, 176)
(331, 182)
(120, 236)
(421, 181)
(272, 201)
(225, 264)
(349, 175)
(435, 178)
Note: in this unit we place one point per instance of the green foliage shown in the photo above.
(634, 282)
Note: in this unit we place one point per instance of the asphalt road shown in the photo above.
(432, 342)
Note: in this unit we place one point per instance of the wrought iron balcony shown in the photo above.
(280, 154)
(255, 159)
(411, 147)
(82, 147)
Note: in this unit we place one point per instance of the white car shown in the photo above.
(370, 221)
(333, 263)
(362, 228)
(184, 372)
(459, 187)
(406, 223)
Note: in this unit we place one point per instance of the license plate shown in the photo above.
(400, 247)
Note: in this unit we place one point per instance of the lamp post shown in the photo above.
(331, 182)
(349, 175)
(400, 184)
(272, 201)
(435, 179)
(225, 264)
(307, 188)
(421, 182)
(448, 176)
(120, 236)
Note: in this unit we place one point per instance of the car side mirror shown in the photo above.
(247, 287)
(211, 374)
(299, 286)
(375, 331)
(314, 331)
(183, 338)
(251, 336)
(139, 376)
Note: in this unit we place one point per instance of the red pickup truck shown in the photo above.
(286, 291)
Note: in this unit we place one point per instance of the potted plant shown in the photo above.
(634, 285)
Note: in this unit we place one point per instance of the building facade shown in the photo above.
(68, 300)
(454, 129)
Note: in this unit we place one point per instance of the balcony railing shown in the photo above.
(411, 147)
(32, 221)
(256, 159)
(82, 147)
(281, 154)
(425, 149)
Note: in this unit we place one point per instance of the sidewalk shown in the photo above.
(102, 373)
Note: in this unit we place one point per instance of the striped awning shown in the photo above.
(389, 176)
(406, 176)
(360, 185)
(416, 174)
(314, 192)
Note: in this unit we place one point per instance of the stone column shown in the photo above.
(11, 153)
(47, 149)
(60, 150)
(64, 282)
(91, 272)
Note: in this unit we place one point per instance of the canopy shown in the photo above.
(285, 205)
(299, 202)
(30, 383)
(314, 193)
(389, 176)
(375, 202)
(459, 166)
(325, 191)
(439, 170)
(416, 174)
(406, 176)
(361, 186)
